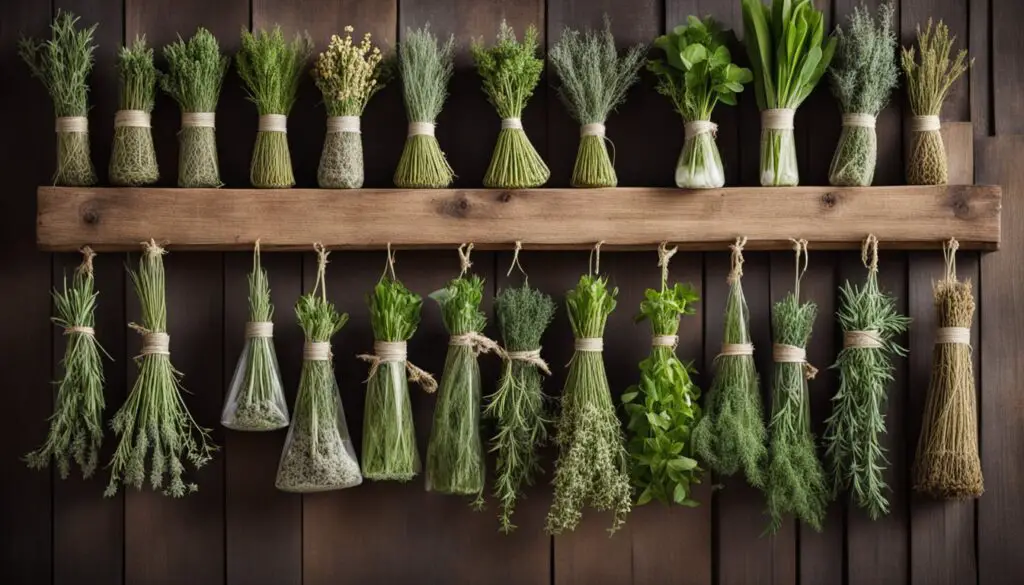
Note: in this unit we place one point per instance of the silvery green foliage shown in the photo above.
(864, 71)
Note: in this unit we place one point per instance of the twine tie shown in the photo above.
(511, 124)
(777, 119)
(424, 128)
(69, 124)
(867, 339)
(593, 344)
(691, 129)
(273, 123)
(198, 120)
(132, 119)
(925, 124)
(859, 120)
(397, 352)
(736, 349)
(316, 351)
(340, 124)
(259, 329)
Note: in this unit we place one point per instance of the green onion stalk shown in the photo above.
(63, 65)
(133, 157)
(155, 420)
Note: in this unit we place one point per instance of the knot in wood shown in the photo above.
(505, 196)
(829, 200)
(90, 216)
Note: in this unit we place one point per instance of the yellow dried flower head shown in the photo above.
(348, 74)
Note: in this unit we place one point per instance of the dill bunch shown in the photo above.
(63, 64)
(271, 69)
(594, 81)
(195, 74)
(510, 71)
(133, 157)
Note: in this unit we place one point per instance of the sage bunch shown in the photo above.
(63, 64)
(133, 157)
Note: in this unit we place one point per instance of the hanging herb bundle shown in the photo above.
(594, 81)
(947, 464)
(853, 433)
(696, 74)
(593, 465)
(63, 64)
(271, 69)
(154, 420)
(348, 75)
(389, 435)
(76, 427)
(426, 67)
(195, 74)
(788, 53)
(730, 438)
(256, 398)
(510, 71)
(663, 407)
(928, 82)
(518, 405)
(133, 157)
(795, 478)
(318, 453)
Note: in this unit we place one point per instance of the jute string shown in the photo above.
(867, 339)
(949, 250)
(859, 120)
(153, 342)
(87, 257)
(596, 129)
(736, 349)
(71, 124)
(259, 329)
(316, 351)
(424, 128)
(869, 254)
(397, 352)
(80, 329)
(793, 354)
(511, 124)
(389, 264)
(736, 269)
(198, 120)
(478, 342)
(595, 344)
(665, 341)
(339, 124)
(464, 263)
(925, 124)
(516, 263)
(800, 250)
(273, 123)
(664, 257)
(777, 119)
(594, 263)
(691, 129)
(530, 356)
(953, 335)
(132, 118)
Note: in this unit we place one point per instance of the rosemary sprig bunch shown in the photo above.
(133, 157)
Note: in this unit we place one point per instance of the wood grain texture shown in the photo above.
(1006, 74)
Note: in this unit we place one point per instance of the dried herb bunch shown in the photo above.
(348, 75)
(863, 75)
(195, 74)
(133, 157)
(426, 67)
(510, 71)
(594, 81)
(271, 69)
(63, 64)
(76, 426)
(928, 82)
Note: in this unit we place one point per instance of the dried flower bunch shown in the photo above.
(133, 157)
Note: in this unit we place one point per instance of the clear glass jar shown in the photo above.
(256, 399)
(778, 149)
(700, 164)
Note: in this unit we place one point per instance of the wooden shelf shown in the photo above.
(289, 219)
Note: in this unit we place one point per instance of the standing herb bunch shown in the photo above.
(154, 420)
(870, 323)
(510, 71)
(426, 68)
(928, 82)
(76, 427)
(788, 53)
(271, 69)
(195, 74)
(696, 73)
(133, 157)
(63, 65)
(348, 75)
(594, 81)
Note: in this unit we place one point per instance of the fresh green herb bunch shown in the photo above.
(426, 67)
(594, 81)
(133, 157)
(696, 73)
(789, 54)
(76, 427)
(510, 71)
(63, 64)
(154, 420)
(518, 405)
(928, 83)
(195, 74)
(271, 69)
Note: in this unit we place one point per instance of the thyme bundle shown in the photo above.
(195, 74)
(594, 81)
(870, 322)
(154, 420)
(271, 69)
(510, 71)
(63, 65)
(133, 157)
(426, 67)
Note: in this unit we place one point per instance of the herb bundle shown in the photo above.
(133, 157)
(154, 420)
(730, 438)
(76, 427)
(271, 69)
(696, 74)
(789, 54)
(594, 81)
(256, 398)
(195, 74)
(63, 65)
(928, 82)
(510, 71)
(318, 453)
(426, 67)
(348, 75)
(853, 433)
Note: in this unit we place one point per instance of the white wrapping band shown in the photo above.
(596, 129)
(198, 120)
(339, 124)
(736, 349)
(511, 124)
(777, 119)
(691, 129)
(953, 335)
(259, 329)
(925, 124)
(867, 339)
(859, 120)
(89, 331)
(316, 351)
(273, 123)
(424, 128)
(664, 340)
(788, 354)
(590, 344)
(391, 351)
(155, 343)
(71, 124)
(132, 119)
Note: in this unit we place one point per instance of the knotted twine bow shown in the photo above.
(86, 268)
(664, 257)
(781, 352)
(153, 342)
(735, 274)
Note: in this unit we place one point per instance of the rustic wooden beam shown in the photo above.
(627, 218)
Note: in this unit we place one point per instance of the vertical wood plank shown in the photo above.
(816, 124)
(954, 13)
(1007, 52)
(981, 41)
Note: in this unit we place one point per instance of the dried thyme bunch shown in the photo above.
(76, 427)
(63, 64)
(133, 157)
(863, 75)
(271, 69)
(195, 74)
(594, 81)
(510, 71)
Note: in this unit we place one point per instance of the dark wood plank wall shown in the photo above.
(239, 530)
